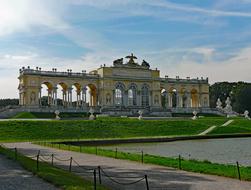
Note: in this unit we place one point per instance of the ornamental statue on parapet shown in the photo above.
(131, 59)
(131, 62)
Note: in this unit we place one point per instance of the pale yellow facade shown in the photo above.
(122, 86)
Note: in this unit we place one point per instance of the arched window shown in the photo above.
(145, 96)
(132, 96)
(119, 91)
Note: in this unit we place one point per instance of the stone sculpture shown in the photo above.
(218, 104)
(140, 114)
(57, 115)
(91, 111)
(228, 107)
(194, 115)
(246, 114)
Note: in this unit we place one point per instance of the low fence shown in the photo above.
(141, 156)
(97, 173)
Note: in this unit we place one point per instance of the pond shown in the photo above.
(215, 150)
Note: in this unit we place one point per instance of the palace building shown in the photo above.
(122, 89)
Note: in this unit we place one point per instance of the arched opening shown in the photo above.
(61, 94)
(194, 98)
(76, 95)
(91, 95)
(119, 94)
(183, 98)
(145, 95)
(132, 95)
(164, 98)
(46, 94)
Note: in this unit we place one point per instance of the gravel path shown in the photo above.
(159, 177)
(14, 177)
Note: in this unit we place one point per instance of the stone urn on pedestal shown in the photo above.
(140, 114)
(57, 115)
(194, 115)
(91, 111)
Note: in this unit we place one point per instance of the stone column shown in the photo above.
(139, 98)
(166, 100)
(49, 97)
(177, 99)
(40, 97)
(150, 97)
(69, 92)
(55, 98)
(188, 100)
(125, 98)
(181, 101)
(83, 96)
(170, 97)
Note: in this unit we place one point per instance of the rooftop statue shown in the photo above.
(131, 59)
(118, 61)
(145, 64)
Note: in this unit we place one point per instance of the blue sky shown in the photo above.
(209, 38)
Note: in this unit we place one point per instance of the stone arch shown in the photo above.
(132, 94)
(76, 94)
(194, 98)
(91, 91)
(62, 94)
(46, 93)
(184, 97)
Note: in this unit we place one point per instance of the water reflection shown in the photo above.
(215, 150)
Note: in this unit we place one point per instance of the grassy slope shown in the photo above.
(188, 165)
(239, 125)
(32, 115)
(101, 128)
(56, 176)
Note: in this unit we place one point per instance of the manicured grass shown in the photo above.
(205, 167)
(104, 128)
(54, 175)
(44, 115)
(239, 125)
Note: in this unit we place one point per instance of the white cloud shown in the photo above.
(233, 69)
(22, 15)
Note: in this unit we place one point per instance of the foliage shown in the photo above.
(104, 128)
(239, 93)
(8, 102)
(32, 115)
(54, 175)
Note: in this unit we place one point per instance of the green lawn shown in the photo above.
(54, 175)
(205, 167)
(102, 128)
(239, 125)
(32, 115)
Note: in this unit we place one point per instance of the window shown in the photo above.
(132, 96)
(145, 96)
(119, 90)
